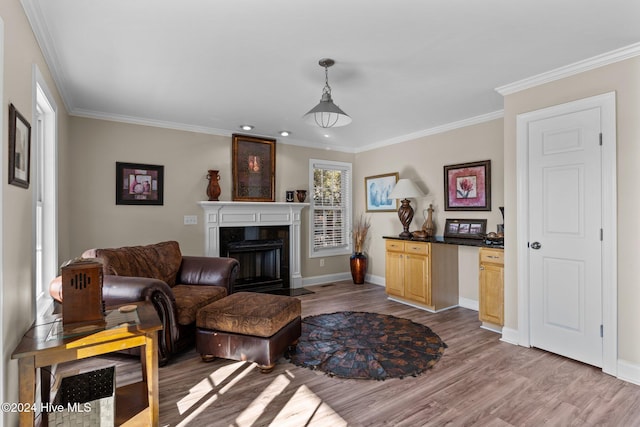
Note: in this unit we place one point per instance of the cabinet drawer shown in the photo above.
(416, 248)
(492, 255)
(394, 245)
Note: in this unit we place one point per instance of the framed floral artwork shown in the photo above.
(467, 186)
(253, 166)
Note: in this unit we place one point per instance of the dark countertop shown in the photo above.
(480, 243)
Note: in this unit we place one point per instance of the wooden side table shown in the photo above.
(45, 344)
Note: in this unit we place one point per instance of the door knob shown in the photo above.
(536, 245)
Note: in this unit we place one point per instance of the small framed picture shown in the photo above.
(19, 148)
(253, 165)
(139, 184)
(467, 186)
(465, 228)
(377, 189)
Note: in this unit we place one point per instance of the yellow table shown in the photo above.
(45, 344)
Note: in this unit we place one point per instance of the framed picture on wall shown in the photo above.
(467, 186)
(139, 184)
(19, 148)
(377, 189)
(253, 165)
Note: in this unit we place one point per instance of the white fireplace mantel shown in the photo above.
(253, 214)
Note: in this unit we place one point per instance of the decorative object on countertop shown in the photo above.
(358, 260)
(213, 189)
(301, 195)
(404, 189)
(465, 228)
(429, 227)
(366, 346)
(467, 186)
(253, 168)
(377, 189)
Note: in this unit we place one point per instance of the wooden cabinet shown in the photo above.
(492, 286)
(422, 274)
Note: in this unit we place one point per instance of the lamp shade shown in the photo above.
(404, 189)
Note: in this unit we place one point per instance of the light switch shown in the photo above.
(190, 219)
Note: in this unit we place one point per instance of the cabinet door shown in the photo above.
(491, 294)
(416, 280)
(394, 273)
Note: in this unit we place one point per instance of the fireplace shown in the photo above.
(229, 217)
(263, 254)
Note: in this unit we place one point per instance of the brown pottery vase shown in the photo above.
(213, 189)
(358, 263)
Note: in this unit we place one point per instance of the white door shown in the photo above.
(565, 247)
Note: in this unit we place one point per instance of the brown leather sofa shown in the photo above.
(177, 285)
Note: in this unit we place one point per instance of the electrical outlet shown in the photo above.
(190, 219)
(321, 262)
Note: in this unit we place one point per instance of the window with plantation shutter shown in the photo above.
(330, 213)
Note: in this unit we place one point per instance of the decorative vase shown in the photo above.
(429, 227)
(358, 263)
(213, 189)
(302, 195)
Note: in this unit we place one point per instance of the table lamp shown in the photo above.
(404, 189)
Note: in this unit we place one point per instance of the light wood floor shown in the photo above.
(479, 381)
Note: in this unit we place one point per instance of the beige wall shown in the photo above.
(98, 222)
(621, 77)
(21, 52)
(422, 160)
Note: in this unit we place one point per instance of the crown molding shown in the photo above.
(198, 129)
(41, 31)
(597, 61)
(435, 130)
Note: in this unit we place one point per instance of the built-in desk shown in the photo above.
(424, 272)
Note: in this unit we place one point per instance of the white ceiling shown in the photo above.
(402, 66)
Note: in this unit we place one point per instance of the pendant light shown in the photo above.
(327, 114)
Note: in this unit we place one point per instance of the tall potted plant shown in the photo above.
(358, 259)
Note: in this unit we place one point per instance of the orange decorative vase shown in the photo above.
(358, 263)
(213, 189)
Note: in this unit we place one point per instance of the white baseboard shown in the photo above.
(510, 336)
(628, 371)
(326, 278)
(468, 303)
(376, 280)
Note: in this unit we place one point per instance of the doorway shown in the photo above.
(566, 235)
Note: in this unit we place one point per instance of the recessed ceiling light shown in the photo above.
(326, 135)
(246, 127)
(284, 133)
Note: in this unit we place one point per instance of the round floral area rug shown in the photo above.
(366, 346)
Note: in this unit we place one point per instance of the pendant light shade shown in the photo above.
(327, 114)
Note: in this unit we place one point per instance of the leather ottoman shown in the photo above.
(249, 326)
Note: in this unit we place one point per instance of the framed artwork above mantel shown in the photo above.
(253, 166)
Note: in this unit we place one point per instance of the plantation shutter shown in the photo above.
(331, 198)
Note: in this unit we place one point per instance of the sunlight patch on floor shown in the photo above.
(207, 385)
(305, 408)
(251, 414)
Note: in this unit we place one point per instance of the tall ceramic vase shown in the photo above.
(213, 189)
(429, 227)
(358, 263)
